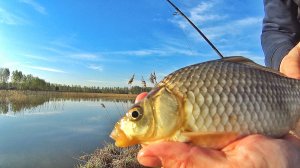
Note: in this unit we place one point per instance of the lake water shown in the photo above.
(54, 133)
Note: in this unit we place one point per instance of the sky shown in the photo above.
(103, 42)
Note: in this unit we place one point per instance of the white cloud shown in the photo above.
(46, 69)
(248, 21)
(85, 56)
(69, 52)
(54, 50)
(201, 13)
(181, 51)
(96, 67)
(9, 18)
(216, 26)
(231, 27)
(140, 52)
(39, 57)
(163, 51)
(36, 6)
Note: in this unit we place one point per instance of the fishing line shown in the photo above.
(117, 108)
(127, 107)
(188, 45)
(122, 104)
(197, 29)
(106, 114)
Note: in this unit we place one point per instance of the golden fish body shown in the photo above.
(213, 103)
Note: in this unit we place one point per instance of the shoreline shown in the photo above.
(11, 93)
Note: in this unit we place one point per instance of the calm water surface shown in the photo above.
(56, 132)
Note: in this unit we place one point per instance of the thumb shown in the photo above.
(298, 45)
(140, 97)
(290, 64)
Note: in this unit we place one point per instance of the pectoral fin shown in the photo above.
(211, 140)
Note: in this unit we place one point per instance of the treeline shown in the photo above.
(20, 81)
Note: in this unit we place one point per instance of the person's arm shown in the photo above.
(280, 30)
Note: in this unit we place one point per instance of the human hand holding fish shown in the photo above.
(229, 113)
(217, 108)
(249, 152)
(253, 151)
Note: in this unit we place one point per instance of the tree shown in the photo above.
(17, 76)
(4, 75)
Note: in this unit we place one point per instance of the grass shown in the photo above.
(111, 157)
(18, 93)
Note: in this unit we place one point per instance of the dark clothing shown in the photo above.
(281, 29)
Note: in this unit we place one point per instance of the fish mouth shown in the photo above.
(121, 140)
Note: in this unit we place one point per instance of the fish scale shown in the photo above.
(212, 104)
(254, 101)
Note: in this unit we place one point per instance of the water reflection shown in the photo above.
(50, 131)
(24, 102)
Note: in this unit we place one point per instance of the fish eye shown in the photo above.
(135, 114)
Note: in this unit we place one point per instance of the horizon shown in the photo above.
(103, 44)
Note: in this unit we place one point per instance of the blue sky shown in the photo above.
(104, 42)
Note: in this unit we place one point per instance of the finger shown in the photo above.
(140, 97)
(298, 45)
(153, 155)
(176, 154)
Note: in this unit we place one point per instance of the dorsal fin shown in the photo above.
(246, 61)
(237, 59)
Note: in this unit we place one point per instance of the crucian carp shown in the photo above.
(213, 103)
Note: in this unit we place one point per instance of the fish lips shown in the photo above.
(121, 140)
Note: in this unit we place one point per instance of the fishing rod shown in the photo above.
(198, 30)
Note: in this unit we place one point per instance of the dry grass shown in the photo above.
(16, 93)
(20, 100)
(112, 157)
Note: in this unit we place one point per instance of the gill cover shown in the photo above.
(166, 108)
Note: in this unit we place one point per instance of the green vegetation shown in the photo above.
(20, 81)
(4, 75)
(111, 157)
